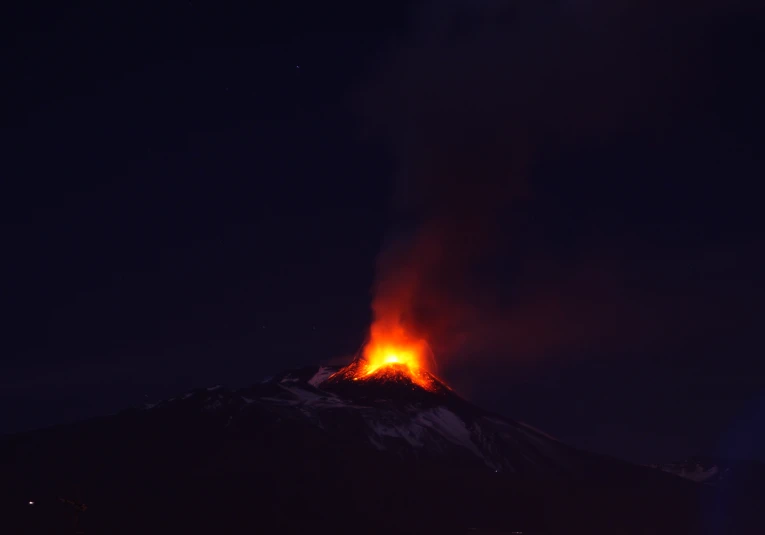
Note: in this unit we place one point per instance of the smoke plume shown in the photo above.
(507, 243)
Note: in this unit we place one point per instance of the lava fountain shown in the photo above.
(397, 348)
(390, 343)
(393, 353)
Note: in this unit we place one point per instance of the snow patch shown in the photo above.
(213, 405)
(320, 376)
(539, 432)
(411, 434)
(419, 429)
(450, 426)
(303, 395)
(694, 472)
(700, 474)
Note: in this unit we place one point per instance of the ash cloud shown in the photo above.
(554, 159)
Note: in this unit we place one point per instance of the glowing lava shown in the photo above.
(393, 352)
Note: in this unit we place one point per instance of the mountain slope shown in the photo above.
(314, 449)
(741, 475)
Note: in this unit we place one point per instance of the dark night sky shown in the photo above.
(183, 206)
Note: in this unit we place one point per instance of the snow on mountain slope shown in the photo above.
(744, 475)
(393, 419)
(313, 443)
(321, 375)
(694, 471)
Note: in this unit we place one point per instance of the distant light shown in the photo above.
(31, 502)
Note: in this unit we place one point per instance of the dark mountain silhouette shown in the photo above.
(313, 450)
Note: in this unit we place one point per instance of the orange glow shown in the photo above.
(392, 350)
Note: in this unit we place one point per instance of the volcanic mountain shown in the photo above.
(331, 450)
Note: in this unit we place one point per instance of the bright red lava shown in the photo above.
(391, 352)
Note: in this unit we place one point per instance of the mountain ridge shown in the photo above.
(309, 447)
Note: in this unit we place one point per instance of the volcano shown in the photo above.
(393, 380)
(329, 449)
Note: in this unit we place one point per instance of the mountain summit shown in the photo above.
(393, 381)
